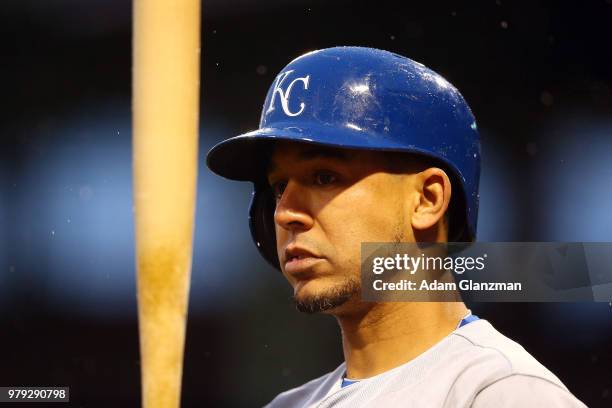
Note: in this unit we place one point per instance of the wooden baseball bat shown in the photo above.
(166, 71)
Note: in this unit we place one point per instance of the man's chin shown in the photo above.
(316, 300)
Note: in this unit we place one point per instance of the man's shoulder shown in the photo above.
(311, 391)
(486, 348)
(476, 359)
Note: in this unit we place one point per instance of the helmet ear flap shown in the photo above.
(261, 223)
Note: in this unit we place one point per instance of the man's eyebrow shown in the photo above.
(317, 153)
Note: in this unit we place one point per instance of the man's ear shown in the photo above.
(433, 198)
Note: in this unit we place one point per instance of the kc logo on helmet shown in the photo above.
(284, 94)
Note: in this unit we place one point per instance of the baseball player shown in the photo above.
(362, 145)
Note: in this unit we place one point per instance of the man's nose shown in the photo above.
(292, 210)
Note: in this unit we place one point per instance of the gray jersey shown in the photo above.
(474, 366)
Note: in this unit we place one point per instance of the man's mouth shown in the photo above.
(299, 259)
(297, 264)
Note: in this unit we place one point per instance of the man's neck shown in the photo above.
(388, 335)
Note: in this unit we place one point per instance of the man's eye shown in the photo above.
(325, 178)
(278, 188)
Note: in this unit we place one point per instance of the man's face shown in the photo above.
(329, 201)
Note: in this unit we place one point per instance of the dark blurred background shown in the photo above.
(537, 75)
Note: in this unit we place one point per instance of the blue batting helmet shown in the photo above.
(358, 98)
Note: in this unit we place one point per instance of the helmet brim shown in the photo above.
(244, 157)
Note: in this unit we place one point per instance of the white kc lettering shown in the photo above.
(286, 93)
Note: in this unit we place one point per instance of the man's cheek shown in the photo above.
(347, 262)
